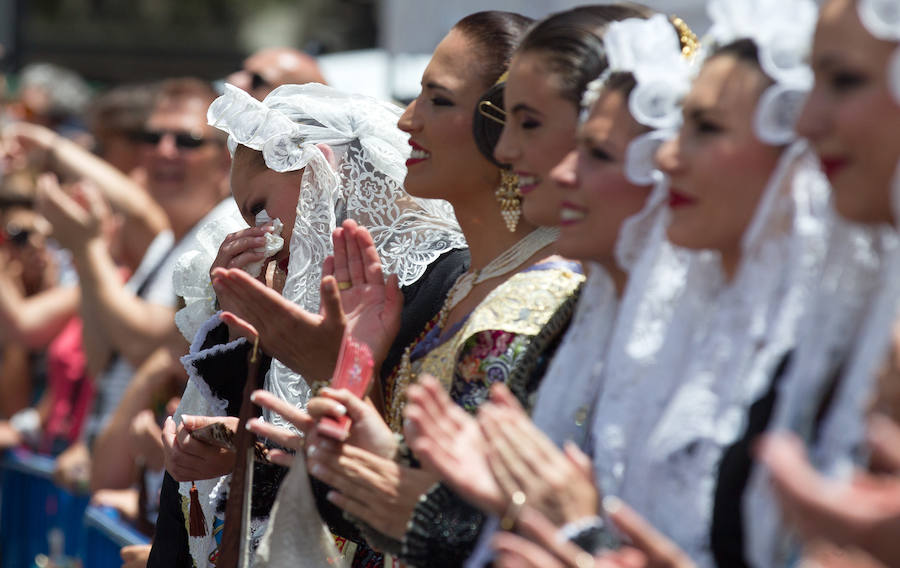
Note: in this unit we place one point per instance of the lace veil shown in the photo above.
(857, 298)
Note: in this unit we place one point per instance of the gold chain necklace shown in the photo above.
(507, 261)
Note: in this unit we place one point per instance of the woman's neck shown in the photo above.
(731, 261)
(615, 272)
(486, 234)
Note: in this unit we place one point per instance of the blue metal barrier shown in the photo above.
(31, 506)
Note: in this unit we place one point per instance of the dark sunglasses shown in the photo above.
(16, 235)
(183, 140)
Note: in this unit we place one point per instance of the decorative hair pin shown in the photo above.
(491, 111)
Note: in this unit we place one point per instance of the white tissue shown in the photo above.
(274, 242)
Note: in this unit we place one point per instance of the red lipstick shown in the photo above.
(678, 199)
(832, 166)
(419, 154)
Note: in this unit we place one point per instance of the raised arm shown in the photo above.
(113, 315)
(34, 320)
(144, 217)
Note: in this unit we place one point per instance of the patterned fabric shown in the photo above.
(484, 347)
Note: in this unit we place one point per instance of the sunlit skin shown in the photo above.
(255, 187)
(850, 117)
(717, 166)
(539, 132)
(445, 162)
(597, 197)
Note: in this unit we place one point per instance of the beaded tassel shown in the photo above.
(510, 199)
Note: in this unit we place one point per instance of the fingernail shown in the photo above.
(316, 469)
(254, 396)
(249, 424)
(611, 504)
(310, 450)
(341, 409)
(330, 496)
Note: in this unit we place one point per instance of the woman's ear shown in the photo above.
(329, 154)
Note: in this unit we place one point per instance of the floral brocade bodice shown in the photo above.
(485, 347)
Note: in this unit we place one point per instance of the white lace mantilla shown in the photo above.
(722, 344)
(857, 299)
(363, 182)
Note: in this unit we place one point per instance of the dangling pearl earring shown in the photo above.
(510, 199)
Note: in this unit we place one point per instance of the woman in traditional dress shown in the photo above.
(306, 158)
(489, 319)
(851, 118)
(611, 213)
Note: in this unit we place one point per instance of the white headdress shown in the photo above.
(782, 31)
(882, 19)
(650, 50)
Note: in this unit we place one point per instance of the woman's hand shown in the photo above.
(281, 436)
(367, 429)
(447, 440)
(241, 248)
(189, 459)
(374, 489)
(538, 546)
(863, 513)
(372, 307)
(647, 547)
(560, 484)
(307, 343)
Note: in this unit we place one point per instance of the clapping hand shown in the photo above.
(448, 441)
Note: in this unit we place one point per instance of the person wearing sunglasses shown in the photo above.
(275, 66)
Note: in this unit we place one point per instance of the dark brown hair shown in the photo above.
(743, 50)
(572, 43)
(496, 36)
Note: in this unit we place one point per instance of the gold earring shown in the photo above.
(510, 199)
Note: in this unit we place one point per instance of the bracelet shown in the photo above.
(511, 515)
(570, 531)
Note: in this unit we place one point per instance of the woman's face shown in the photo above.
(850, 117)
(597, 197)
(717, 166)
(539, 132)
(255, 187)
(445, 162)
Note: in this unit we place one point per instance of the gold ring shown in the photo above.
(508, 522)
(345, 285)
